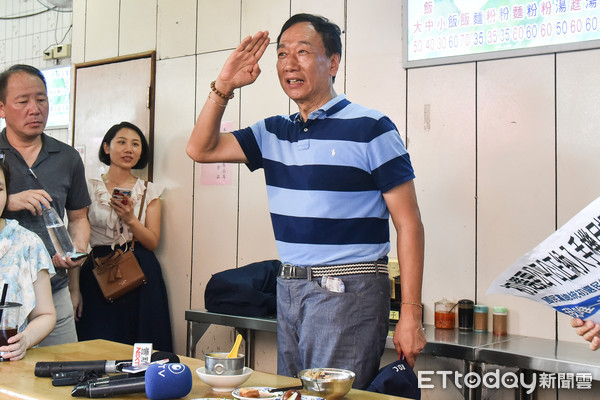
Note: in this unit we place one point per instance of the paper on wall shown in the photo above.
(563, 271)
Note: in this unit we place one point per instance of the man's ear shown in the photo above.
(334, 64)
(2, 115)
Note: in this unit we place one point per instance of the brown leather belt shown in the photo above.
(289, 271)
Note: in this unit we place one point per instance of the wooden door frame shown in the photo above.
(151, 93)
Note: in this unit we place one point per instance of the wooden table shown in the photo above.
(17, 380)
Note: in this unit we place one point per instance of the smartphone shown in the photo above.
(77, 256)
(121, 194)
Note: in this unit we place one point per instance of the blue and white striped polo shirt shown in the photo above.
(325, 180)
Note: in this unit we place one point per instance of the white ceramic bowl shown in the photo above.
(223, 383)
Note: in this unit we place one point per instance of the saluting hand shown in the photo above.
(241, 68)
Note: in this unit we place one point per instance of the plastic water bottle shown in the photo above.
(58, 232)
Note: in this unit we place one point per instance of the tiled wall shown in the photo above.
(27, 29)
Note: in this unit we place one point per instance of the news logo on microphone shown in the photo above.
(168, 381)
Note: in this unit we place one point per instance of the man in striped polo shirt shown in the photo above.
(335, 172)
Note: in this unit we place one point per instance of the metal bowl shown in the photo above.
(330, 383)
(219, 364)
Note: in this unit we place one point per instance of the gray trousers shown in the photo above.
(64, 331)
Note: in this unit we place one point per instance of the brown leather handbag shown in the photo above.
(119, 272)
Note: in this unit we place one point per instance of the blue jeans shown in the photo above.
(319, 328)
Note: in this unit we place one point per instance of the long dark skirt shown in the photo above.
(140, 316)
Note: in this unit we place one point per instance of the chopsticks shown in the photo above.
(283, 389)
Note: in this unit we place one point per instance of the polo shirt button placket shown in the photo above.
(304, 142)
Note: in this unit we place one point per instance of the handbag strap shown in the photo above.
(140, 213)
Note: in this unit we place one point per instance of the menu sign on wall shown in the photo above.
(449, 31)
(58, 83)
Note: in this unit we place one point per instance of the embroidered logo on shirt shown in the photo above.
(332, 152)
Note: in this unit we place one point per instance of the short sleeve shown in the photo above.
(39, 258)
(78, 196)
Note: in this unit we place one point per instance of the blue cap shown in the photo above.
(397, 379)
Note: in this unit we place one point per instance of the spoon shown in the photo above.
(234, 351)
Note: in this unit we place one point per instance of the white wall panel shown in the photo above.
(137, 26)
(79, 28)
(102, 29)
(218, 27)
(176, 30)
(516, 191)
(334, 10)
(260, 15)
(374, 73)
(578, 147)
(441, 133)
(174, 110)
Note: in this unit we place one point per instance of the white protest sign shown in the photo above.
(563, 271)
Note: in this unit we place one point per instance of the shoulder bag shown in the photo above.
(119, 272)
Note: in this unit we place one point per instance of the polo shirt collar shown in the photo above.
(4, 145)
(331, 107)
(50, 146)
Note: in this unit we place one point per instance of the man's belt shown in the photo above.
(289, 271)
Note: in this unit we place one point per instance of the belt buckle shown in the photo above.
(286, 271)
(289, 271)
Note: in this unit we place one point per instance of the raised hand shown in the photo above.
(241, 68)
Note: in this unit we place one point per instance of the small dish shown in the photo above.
(263, 393)
(224, 383)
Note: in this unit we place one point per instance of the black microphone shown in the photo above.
(82, 386)
(113, 388)
(45, 369)
(162, 381)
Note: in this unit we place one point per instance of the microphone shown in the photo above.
(162, 381)
(45, 369)
(81, 385)
(168, 381)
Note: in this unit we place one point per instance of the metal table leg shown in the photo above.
(195, 330)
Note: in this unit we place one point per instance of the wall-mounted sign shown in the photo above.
(452, 31)
(58, 81)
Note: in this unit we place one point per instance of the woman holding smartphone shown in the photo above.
(141, 315)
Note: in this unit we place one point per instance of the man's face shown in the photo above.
(26, 107)
(304, 69)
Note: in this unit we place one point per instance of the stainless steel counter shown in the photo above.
(475, 349)
(546, 355)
